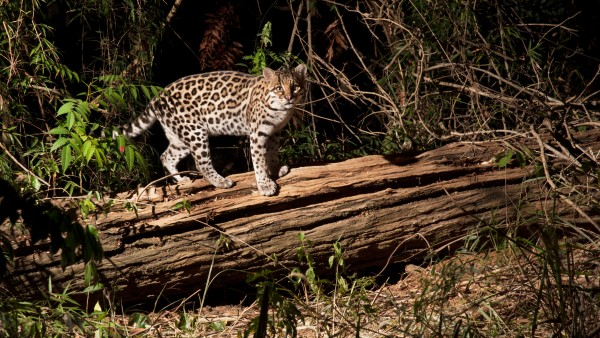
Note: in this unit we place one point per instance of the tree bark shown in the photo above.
(382, 209)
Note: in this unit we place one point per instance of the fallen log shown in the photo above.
(382, 209)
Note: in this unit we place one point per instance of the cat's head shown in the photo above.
(286, 86)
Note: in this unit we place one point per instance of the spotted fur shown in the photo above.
(225, 103)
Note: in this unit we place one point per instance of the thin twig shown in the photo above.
(22, 166)
(295, 29)
(398, 247)
(173, 11)
(553, 185)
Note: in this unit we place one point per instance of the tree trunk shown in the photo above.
(382, 209)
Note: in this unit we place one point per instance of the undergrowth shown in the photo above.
(498, 284)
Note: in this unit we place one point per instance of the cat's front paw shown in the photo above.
(284, 170)
(223, 183)
(267, 188)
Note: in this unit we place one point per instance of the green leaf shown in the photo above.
(90, 153)
(185, 204)
(35, 183)
(139, 320)
(100, 157)
(90, 273)
(60, 130)
(120, 141)
(134, 93)
(83, 111)
(93, 248)
(146, 92)
(93, 288)
(70, 119)
(503, 162)
(265, 35)
(88, 150)
(129, 157)
(99, 102)
(92, 230)
(218, 326)
(521, 159)
(141, 161)
(310, 274)
(76, 142)
(59, 143)
(177, 206)
(65, 158)
(184, 322)
(156, 90)
(70, 187)
(342, 284)
(115, 98)
(65, 108)
(86, 206)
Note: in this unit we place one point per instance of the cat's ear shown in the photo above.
(300, 70)
(269, 74)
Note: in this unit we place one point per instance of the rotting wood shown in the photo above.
(381, 209)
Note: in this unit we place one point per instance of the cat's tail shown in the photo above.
(137, 126)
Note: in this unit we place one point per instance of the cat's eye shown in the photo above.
(279, 89)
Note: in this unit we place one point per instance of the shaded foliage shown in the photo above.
(43, 221)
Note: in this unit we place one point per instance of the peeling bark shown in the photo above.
(381, 208)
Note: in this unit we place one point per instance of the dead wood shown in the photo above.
(382, 209)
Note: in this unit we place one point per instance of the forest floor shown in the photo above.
(503, 292)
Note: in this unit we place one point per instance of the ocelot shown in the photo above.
(225, 103)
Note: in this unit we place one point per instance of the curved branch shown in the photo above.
(22, 166)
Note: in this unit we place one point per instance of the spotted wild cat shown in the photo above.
(225, 103)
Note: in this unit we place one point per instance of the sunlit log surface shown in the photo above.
(383, 209)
